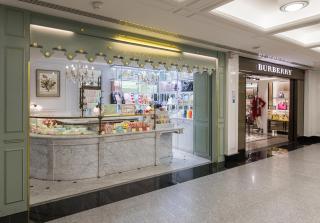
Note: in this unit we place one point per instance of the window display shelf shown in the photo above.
(123, 116)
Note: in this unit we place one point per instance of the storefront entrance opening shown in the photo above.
(102, 121)
(271, 104)
(267, 111)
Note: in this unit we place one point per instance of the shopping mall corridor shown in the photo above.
(278, 189)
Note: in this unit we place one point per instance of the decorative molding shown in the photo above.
(9, 28)
(7, 102)
(7, 174)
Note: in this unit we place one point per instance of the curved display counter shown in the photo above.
(68, 157)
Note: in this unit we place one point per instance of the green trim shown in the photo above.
(14, 47)
(220, 108)
(106, 34)
(93, 47)
(219, 94)
(109, 33)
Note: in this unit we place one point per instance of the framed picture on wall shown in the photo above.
(47, 83)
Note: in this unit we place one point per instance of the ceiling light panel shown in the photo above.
(306, 36)
(317, 49)
(264, 14)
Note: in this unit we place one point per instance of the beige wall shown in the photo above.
(312, 104)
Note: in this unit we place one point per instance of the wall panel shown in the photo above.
(14, 56)
(14, 87)
(13, 176)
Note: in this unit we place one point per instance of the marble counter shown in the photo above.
(89, 156)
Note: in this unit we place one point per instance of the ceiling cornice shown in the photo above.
(191, 40)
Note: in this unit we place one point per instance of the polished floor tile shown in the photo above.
(42, 191)
(252, 144)
(279, 189)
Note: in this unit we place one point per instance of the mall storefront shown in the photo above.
(271, 104)
(86, 108)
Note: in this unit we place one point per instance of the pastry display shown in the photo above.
(57, 127)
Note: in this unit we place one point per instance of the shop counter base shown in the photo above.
(44, 191)
(92, 156)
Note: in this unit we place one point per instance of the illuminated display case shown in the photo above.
(100, 125)
(172, 89)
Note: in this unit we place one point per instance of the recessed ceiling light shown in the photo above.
(293, 6)
(316, 49)
(97, 4)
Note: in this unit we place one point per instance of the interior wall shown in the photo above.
(68, 102)
(232, 102)
(311, 104)
(300, 108)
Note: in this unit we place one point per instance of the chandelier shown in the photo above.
(82, 74)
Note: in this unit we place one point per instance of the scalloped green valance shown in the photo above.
(49, 41)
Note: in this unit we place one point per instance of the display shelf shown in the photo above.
(186, 79)
(88, 87)
(281, 98)
(63, 117)
(173, 130)
(129, 115)
(168, 92)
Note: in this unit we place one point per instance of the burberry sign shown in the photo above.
(274, 69)
(258, 67)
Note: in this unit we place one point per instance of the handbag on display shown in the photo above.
(282, 106)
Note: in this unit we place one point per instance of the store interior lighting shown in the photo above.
(51, 30)
(199, 56)
(146, 43)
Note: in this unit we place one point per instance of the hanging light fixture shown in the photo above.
(292, 5)
(82, 74)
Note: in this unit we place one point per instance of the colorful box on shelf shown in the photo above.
(128, 109)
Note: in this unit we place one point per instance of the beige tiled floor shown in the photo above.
(280, 189)
(45, 191)
(262, 143)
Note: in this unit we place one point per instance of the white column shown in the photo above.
(312, 104)
(232, 103)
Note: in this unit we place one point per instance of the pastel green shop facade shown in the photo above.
(15, 43)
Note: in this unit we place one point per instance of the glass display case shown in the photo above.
(63, 125)
(141, 100)
(172, 89)
(279, 104)
(101, 125)
(136, 86)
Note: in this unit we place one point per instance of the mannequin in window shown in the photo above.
(256, 107)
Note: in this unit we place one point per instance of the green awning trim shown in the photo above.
(73, 44)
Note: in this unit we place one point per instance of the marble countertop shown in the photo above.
(168, 130)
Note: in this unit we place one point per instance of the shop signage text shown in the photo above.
(274, 69)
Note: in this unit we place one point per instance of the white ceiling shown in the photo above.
(266, 14)
(307, 36)
(193, 18)
(317, 49)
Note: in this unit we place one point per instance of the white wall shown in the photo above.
(232, 104)
(312, 104)
(68, 102)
